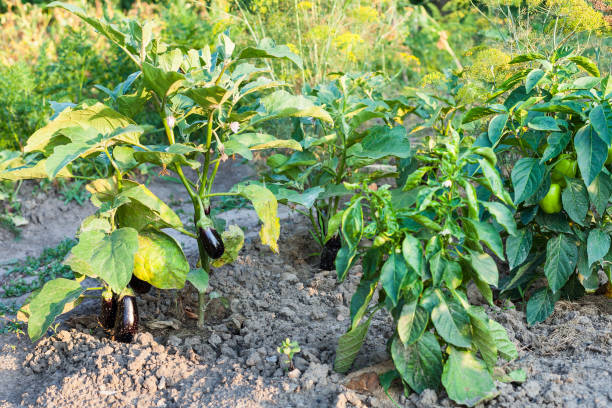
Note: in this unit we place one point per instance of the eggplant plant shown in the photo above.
(211, 105)
(420, 245)
(555, 123)
(311, 180)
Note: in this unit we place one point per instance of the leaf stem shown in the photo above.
(220, 194)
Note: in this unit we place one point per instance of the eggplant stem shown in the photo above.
(205, 261)
(202, 308)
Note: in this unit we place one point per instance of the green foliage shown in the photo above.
(289, 349)
(217, 98)
(30, 91)
(420, 245)
(344, 151)
(46, 267)
(557, 122)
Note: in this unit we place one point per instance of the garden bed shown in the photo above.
(233, 362)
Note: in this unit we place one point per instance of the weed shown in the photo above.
(44, 268)
(289, 348)
(74, 192)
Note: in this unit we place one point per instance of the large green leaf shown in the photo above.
(281, 104)
(592, 153)
(392, 274)
(495, 182)
(56, 297)
(140, 194)
(561, 259)
(575, 200)
(415, 178)
(502, 215)
(544, 123)
(601, 121)
(349, 345)
(557, 142)
(527, 176)
(484, 266)
(489, 235)
(598, 245)
(586, 64)
(419, 364)
(266, 206)
(299, 158)
(361, 299)
(540, 305)
(506, 348)
(268, 49)
(261, 141)
(210, 96)
(110, 256)
(518, 247)
(305, 198)
(496, 127)
(412, 322)
(533, 78)
(476, 113)
(80, 255)
(98, 116)
(162, 82)
(437, 266)
(453, 274)
(599, 191)
(466, 378)
(413, 253)
(451, 321)
(526, 58)
(21, 170)
(83, 142)
(482, 336)
(383, 141)
(345, 258)
(160, 260)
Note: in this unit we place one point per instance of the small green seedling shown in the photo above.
(289, 348)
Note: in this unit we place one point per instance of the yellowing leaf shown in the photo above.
(98, 116)
(266, 207)
(160, 261)
(233, 240)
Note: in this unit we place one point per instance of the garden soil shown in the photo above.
(234, 363)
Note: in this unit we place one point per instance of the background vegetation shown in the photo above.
(469, 106)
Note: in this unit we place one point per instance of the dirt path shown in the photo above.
(234, 363)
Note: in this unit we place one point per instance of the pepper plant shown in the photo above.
(420, 246)
(337, 152)
(555, 125)
(211, 105)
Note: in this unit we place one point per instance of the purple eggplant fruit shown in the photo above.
(108, 311)
(139, 286)
(126, 322)
(211, 241)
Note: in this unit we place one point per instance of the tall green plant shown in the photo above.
(343, 151)
(420, 246)
(554, 125)
(211, 105)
